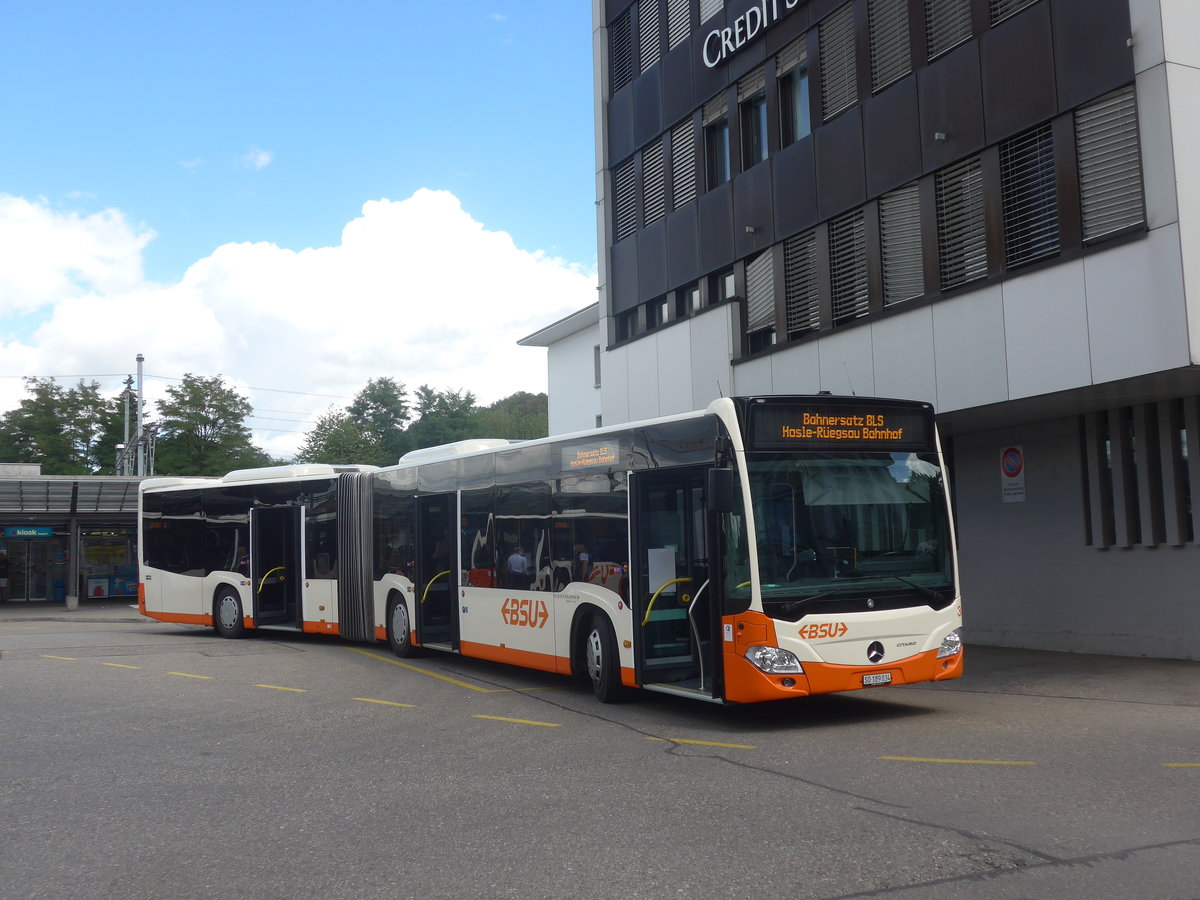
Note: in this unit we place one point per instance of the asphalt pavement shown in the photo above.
(991, 669)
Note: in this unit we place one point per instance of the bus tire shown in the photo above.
(399, 628)
(601, 664)
(227, 613)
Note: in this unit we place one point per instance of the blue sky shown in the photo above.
(143, 138)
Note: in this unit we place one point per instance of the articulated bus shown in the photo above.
(760, 549)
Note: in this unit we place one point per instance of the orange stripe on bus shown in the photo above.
(180, 618)
(544, 662)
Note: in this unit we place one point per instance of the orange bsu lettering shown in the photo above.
(525, 612)
(824, 630)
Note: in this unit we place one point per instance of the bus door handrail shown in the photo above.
(696, 631)
(268, 575)
(425, 595)
(650, 605)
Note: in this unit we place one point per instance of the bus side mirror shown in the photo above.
(720, 490)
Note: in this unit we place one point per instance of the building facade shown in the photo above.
(990, 205)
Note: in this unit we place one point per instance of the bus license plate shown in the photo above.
(877, 678)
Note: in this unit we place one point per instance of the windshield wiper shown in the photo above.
(920, 588)
(789, 606)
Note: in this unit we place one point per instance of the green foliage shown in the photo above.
(201, 430)
(337, 438)
(60, 428)
(519, 417)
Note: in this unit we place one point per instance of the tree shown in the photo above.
(381, 411)
(201, 430)
(58, 427)
(519, 417)
(442, 418)
(337, 438)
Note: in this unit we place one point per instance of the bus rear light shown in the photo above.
(774, 661)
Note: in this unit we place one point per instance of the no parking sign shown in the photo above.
(1012, 475)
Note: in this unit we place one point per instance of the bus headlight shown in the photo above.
(774, 661)
(951, 644)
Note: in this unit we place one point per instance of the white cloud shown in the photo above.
(256, 158)
(417, 290)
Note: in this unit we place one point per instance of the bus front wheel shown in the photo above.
(600, 660)
(399, 629)
(227, 614)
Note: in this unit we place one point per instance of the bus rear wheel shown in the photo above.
(399, 629)
(227, 614)
(600, 660)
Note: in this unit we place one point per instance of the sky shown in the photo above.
(297, 196)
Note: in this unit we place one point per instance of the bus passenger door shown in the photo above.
(437, 571)
(675, 618)
(275, 564)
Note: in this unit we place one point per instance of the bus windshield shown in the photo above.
(833, 528)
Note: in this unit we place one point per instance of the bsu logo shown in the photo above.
(525, 612)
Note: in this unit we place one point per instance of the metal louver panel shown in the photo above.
(749, 85)
(650, 34)
(715, 109)
(356, 607)
(802, 296)
(999, 10)
(760, 293)
(1110, 165)
(678, 22)
(947, 24)
(900, 237)
(839, 69)
(794, 54)
(848, 266)
(683, 163)
(891, 59)
(654, 189)
(620, 51)
(1030, 197)
(962, 238)
(625, 180)
(709, 8)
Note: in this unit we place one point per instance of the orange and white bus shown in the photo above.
(763, 548)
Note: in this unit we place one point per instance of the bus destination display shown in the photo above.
(871, 427)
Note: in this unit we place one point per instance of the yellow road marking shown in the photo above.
(67, 658)
(704, 743)
(384, 702)
(1181, 765)
(518, 721)
(418, 669)
(186, 675)
(959, 762)
(275, 687)
(119, 666)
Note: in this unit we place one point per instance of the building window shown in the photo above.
(687, 301)
(891, 58)
(900, 241)
(626, 324)
(947, 24)
(654, 189)
(962, 235)
(650, 33)
(791, 64)
(716, 142)
(801, 282)
(709, 8)
(722, 287)
(620, 51)
(1110, 165)
(656, 313)
(679, 24)
(752, 104)
(848, 266)
(683, 164)
(760, 303)
(596, 363)
(1030, 197)
(1000, 10)
(839, 66)
(625, 182)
